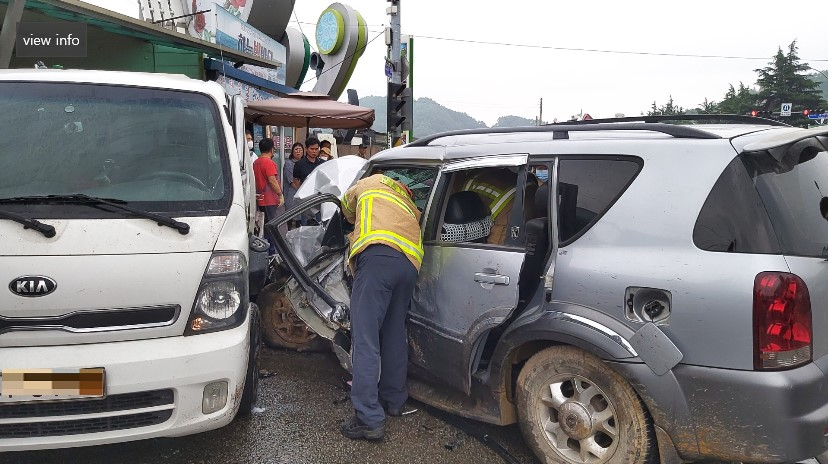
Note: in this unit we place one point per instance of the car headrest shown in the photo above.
(542, 198)
(467, 218)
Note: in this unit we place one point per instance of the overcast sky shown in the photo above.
(487, 80)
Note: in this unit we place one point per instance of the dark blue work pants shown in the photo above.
(383, 285)
(271, 212)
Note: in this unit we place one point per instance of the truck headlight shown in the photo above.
(222, 300)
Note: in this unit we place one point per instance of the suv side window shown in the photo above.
(587, 188)
(733, 218)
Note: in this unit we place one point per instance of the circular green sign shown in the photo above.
(330, 31)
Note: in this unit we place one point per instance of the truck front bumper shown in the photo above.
(153, 388)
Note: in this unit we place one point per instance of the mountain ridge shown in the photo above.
(430, 117)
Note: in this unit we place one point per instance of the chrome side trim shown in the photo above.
(596, 327)
(487, 162)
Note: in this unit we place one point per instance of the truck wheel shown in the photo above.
(573, 408)
(281, 327)
(250, 393)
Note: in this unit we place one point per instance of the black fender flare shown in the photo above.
(602, 335)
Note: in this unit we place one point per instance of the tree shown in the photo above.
(738, 101)
(668, 109)
(708, 107)
(782, 81)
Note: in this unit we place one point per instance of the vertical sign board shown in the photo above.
(786, 109)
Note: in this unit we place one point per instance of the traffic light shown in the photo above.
(398, 109)
(806, 112)
(755, 113)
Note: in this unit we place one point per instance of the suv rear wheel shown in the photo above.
(575, 409)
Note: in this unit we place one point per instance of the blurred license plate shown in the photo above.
(50, 384)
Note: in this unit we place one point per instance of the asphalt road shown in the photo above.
(300, 408)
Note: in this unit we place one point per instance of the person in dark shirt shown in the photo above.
(303, 167)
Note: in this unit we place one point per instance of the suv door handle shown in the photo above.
(491, 278)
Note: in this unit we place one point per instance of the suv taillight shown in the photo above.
(782, 321)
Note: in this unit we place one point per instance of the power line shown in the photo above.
(347, 57)
(575, 49)
(595, 50)
(299, 24)
(350, 25)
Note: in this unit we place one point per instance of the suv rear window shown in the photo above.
(733, 218)
(587, 188)
(764, 205)
(793, 191)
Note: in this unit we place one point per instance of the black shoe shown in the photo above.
(354, 429)
(393, 412)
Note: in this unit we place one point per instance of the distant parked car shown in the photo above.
(661, 296)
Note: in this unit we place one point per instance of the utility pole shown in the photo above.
(398, 96)
(394, 12)
(540, 110)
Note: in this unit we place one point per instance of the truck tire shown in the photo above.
(281, 327)
(572, 408)
(250, 393)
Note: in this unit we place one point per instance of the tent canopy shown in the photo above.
(309, 109)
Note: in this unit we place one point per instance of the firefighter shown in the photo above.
(385, 256)
(496, 187)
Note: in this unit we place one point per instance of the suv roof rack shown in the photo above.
(739, 118)
(561, 131)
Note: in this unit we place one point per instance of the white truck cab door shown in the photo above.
(237, 121)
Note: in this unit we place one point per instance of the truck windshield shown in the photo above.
(158, 150)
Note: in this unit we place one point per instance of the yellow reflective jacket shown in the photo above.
(383, 213)
(496, 187)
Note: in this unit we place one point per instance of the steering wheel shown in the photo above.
(179, 176)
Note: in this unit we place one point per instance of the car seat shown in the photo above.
(467, 219)
(538, 241)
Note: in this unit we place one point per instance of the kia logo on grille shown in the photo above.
(32, 286)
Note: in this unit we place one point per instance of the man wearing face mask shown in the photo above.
(253, 155)
(259, 220)
(542, 174)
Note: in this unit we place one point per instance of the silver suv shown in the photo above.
(658, 295)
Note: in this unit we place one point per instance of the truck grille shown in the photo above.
(123, 402)
(75, 427)
(96, 320)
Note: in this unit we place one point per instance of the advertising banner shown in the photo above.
(221, 27)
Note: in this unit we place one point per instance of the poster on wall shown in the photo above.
(221, 27)
(239, 8)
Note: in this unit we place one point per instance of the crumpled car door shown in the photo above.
(316, 254)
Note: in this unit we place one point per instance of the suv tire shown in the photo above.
(573, 408)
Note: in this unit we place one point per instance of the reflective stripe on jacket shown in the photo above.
(498, 198)
(383, 213)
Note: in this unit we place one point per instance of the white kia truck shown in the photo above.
(126, 258)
